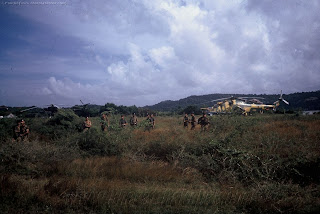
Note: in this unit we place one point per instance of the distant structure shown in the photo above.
(11, 116)
(311, 112)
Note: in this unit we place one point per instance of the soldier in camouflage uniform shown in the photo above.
(86, 124)
(16, 136)
(151, 122)
(204, 122)
(24, 131)
(193, 121)
(186, 121)
(134, 120)
(122, 122)
(21, 131)
(104, 122)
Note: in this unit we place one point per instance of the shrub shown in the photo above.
(62, 124)
(34, 158)
(161, 150)
(94, 142)
(6, 128)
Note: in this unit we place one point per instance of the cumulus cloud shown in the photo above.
(142, 52)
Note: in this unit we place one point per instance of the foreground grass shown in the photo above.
(260, 164)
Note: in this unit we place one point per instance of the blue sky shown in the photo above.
(140, 52)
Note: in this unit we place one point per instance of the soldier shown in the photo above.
(16, 136)
(122, 122)
(86, 124)
(193, 121)
(204, 122)
(186, 121)
(133, 120)
(21, 131)
(104, 122)
(151, 122)
(24, 131)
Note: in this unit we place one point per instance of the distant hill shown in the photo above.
(298, 101)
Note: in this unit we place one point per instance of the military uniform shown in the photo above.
(17, 132)
(151, 123)
(193, 122)
(133, 120)
(21, 131)
(122, 122)
(204, 122)
(185, 121)
(86, 125)
(24, 132)
(104, 122)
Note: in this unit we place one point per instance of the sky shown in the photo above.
(142, 52)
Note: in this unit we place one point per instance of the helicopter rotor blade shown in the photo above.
(225, 98)
(286, 102)
(231, 98)
(251, 97)
(54, 105)
(280, 98)
(28, 109)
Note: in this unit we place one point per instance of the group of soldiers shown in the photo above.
(21, 131)
(104, 122)
(203, 121)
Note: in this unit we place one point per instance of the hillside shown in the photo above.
(301, 101)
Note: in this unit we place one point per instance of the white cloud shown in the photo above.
(142, 52)
(46, 91)
(162, 56)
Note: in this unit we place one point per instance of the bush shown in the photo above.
(94, 142)
(62, 124)
(161, 150)
(6, 128)
(215, 161)
(34, 158)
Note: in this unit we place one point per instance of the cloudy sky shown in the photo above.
(141, 52)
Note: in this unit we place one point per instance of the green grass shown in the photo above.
(256, 164)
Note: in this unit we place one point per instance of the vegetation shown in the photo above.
(257, 164)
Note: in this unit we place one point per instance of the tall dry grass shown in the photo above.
(259, 164)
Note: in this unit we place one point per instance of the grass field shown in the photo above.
(256, 164)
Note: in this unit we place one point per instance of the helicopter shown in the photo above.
(81, 110)
(242, 105)
(52, 109)
(34, 111)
